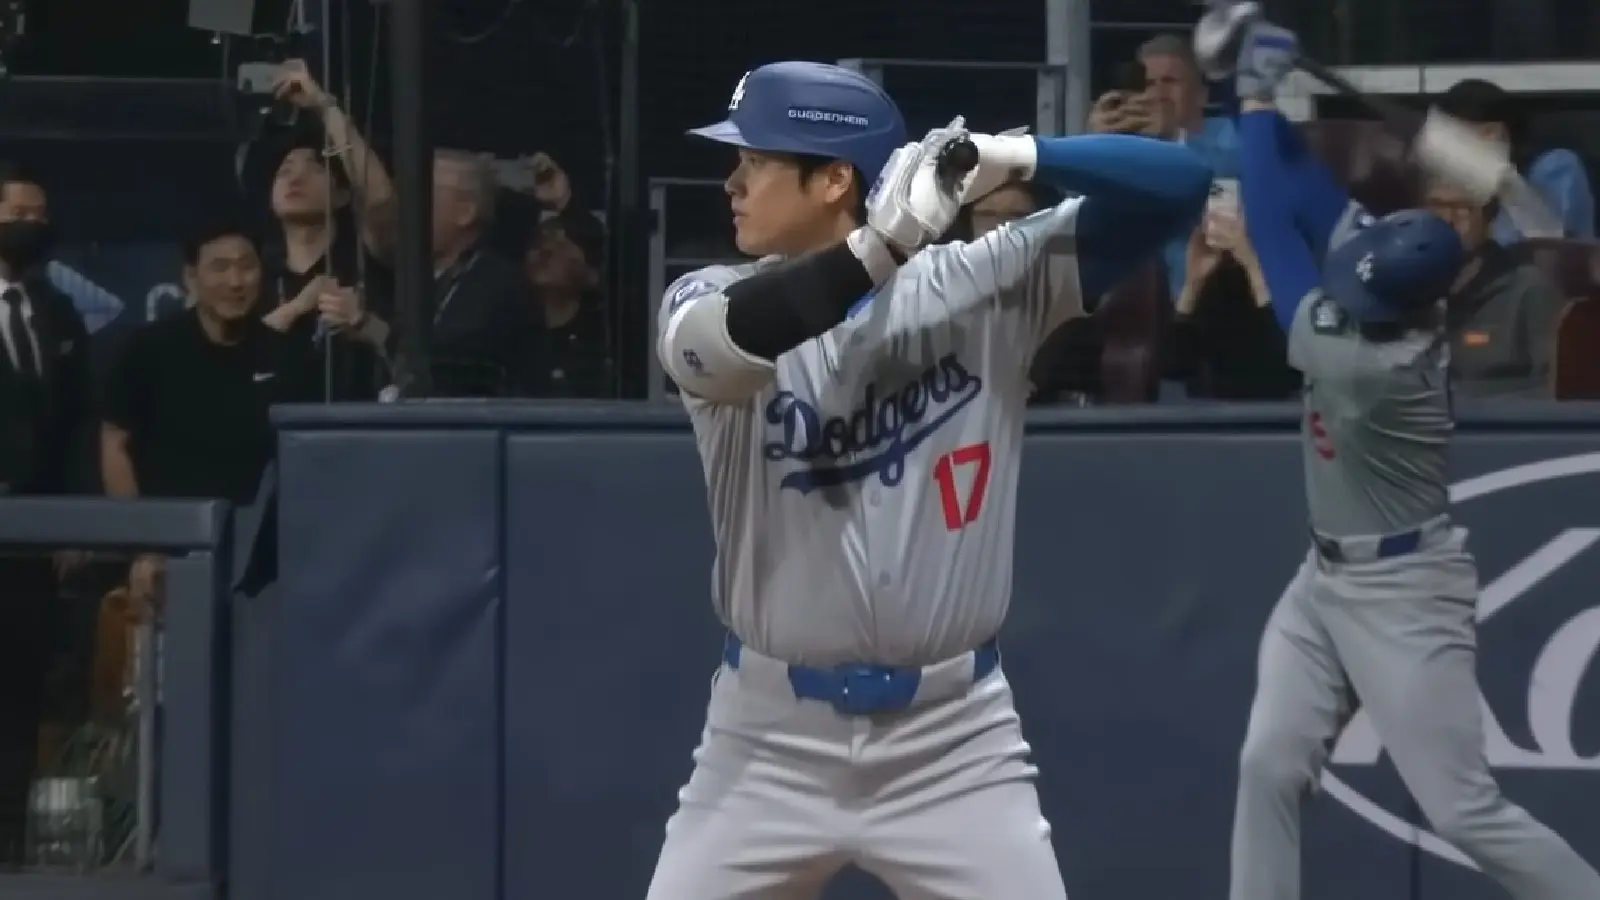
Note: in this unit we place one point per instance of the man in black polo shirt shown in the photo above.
(186, 408)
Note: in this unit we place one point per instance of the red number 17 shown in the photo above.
(944, 472)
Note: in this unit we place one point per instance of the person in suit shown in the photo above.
(43, 413)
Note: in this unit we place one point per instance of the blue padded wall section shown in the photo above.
(386, 747)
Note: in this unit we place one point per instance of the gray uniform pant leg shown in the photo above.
(1301, 700)
(1406, 632)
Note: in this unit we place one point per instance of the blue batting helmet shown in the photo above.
(815, 109)
(1402, 262)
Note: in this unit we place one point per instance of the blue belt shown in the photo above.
(860, 690)
(1389, 546)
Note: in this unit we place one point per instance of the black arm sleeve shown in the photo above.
(775, 311)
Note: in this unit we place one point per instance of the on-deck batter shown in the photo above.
(859, 418)
(1384, 607)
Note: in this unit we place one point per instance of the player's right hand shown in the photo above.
(1002, 158)
(912, 205)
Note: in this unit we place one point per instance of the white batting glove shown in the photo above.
(1449, 149)
(912, 205)
(1002, 158)
(1266, 57)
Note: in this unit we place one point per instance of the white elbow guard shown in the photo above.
(702, 360)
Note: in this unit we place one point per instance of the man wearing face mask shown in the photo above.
(43, 410)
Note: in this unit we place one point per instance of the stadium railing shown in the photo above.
(178, 703)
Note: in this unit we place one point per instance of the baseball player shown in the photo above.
(1383, 610)
(858, 397)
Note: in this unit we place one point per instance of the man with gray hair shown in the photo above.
(1173, 81)
(483, 325)
(1174, 101)
(463, 204)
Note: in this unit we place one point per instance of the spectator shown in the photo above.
(562, 267)
(186, 408)
(536, 189)
(1225, 343)
(485, 325)
(1501, 315)
(1005, 204)
(43, 406)
(333, 222)
(1556, 174)
(1173, 108)
(1124, 112)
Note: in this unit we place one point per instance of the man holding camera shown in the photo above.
(1163, 96)
(323, 280)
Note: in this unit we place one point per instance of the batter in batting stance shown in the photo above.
(858, 397)
(1382, 612)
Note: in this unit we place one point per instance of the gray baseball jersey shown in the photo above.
(863, 503)
(1377, 423)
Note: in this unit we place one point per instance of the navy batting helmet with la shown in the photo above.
(815, 109)
(1400, 263)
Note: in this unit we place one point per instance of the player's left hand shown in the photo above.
(1008, 156)
(913, 204)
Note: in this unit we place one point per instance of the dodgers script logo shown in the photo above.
(888, 427)
(1554, 684)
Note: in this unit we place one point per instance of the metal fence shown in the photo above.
(146, 697)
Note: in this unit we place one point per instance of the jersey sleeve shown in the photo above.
(1336, 363)
(1358, 379)
(699, 365)
(1027, 269)
(1302, 340)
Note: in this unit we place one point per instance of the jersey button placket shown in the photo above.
(867, 514)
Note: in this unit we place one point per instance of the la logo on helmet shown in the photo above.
(738, 92)
(1364, 267)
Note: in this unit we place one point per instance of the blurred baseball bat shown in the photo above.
(1217, 41)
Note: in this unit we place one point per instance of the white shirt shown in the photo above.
(27, 319)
